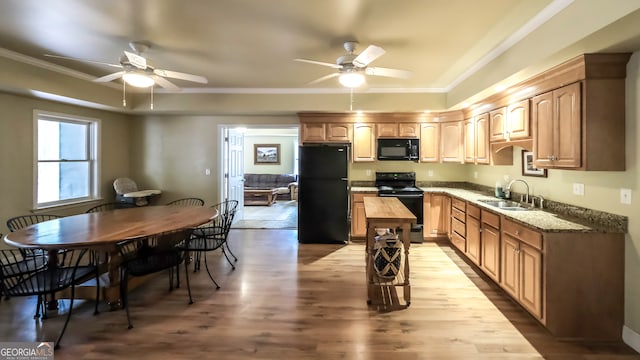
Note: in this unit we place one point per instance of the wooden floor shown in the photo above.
(291, 301)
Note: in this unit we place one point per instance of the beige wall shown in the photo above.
(286, 138)
(17, 151)
(171, 152)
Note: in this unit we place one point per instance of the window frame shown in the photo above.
(93, 153)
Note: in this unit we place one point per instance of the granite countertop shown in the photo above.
(537, 218)
(542, 220)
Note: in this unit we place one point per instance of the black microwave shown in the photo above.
(398, 149)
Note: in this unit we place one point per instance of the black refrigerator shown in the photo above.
(323, 194)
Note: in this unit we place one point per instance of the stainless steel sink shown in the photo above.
(505, 204)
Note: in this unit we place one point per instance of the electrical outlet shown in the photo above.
(368, 172)
(207, 171)
(475, 174)
(430, 173)
(578, 189)
(625, 196)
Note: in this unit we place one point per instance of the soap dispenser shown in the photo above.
(499, 189)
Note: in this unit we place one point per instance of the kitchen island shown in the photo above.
(386, 213)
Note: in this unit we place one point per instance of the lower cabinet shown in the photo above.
(473, 233)
(437, 215)
(522, 266)
(358, 221)
(490, 250)
(572, 282)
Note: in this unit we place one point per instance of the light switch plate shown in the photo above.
(625, 196)
(368, 172)
(430, 173)
(578, 189)
(207, 171)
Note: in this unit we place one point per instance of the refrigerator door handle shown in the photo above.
(344, 179)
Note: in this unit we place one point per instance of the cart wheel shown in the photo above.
(368, 301)
(408, 303)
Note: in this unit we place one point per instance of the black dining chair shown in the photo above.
(22, 221)
(187, 202)
(46, 272)
(110, 206)
(148, 255)
(213, 235)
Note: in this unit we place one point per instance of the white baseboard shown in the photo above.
(631, 338)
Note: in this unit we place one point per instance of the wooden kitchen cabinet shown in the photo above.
(358, 220)
(518, 120)
(429, 142)
(451, 141)
(402, 130)
(473, 233)
(313, 132)
(556, 118)
(497, 120)
(490, 249)
(437, 215)
(476, 140)
(458, 224)
(326, 132)
(522, 266)
(364, 142)
(510, 122)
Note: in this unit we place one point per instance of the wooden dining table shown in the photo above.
(102, 231)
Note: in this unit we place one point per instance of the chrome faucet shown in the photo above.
(508, 189)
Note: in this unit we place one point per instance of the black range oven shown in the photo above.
(402, 185)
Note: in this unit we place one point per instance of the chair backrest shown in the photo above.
(124, 185)
(32, 275)
(187, 202)
(110, 206)
(227, 211)
(155, 253)
(22, 221)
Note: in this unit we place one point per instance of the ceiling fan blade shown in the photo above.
(109, 77)
(394, 73)
(83, 60)
(326, 77)
(181, 76)
(165, 83)
(369, 54)
(335, 66)
(136, 60)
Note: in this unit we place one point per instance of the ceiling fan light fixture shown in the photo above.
(138, 80)
(351, 79)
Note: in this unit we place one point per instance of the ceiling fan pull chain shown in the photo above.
(151, 97)
(350, 99)
(124, 94)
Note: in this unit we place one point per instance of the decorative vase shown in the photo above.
(387, 256)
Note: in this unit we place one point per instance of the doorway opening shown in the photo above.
(259, 168)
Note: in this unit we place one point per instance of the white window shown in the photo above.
(66, 159)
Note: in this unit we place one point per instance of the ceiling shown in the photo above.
(248, 46)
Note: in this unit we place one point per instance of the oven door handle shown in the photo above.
(401, 195)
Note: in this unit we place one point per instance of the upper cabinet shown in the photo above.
(402, 130)
(510, 122)
(326, 132)
(518, 121)
(430, 142)
(476, 140)
(556, 115)
(451, 141)
(364, 142)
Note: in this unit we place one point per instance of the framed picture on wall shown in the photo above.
(267, 154)
(527, 165)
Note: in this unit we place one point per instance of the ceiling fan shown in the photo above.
(352, 67)
(138, 71)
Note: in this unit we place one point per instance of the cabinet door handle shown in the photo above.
(517, 232)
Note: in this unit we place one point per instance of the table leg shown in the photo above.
(406, 240)
(112, 290)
